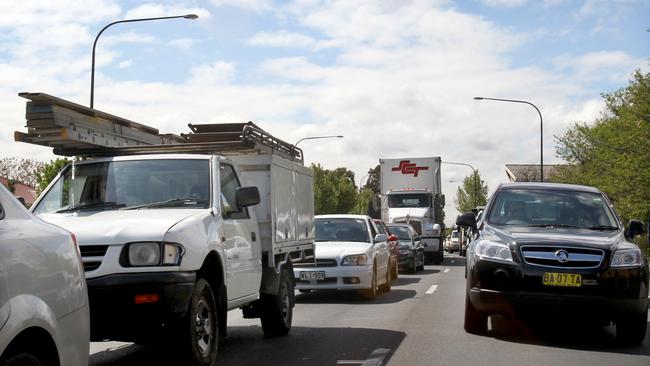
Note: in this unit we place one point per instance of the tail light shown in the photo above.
(76, 245)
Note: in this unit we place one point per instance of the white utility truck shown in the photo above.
(175, 231)
(411, 193)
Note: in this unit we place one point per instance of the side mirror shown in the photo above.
(635, 228)
(392, 238)
(380, 237)
(437, 230)
(467, 219)
(247, 196)
(2, 213)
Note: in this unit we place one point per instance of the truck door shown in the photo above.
(242, 243)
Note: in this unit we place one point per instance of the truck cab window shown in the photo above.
(229, 184)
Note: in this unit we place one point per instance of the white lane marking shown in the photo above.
(431, 289)
(446, 270)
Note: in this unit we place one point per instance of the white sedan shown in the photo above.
(350, 255)
(44, 318)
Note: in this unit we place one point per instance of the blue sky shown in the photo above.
(395, 77)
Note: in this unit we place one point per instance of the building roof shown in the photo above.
(530, 172)
(22, 190)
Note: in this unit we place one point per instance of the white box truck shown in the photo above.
(173, 236)
(411, 193)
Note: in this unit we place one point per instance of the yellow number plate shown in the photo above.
(562, 279)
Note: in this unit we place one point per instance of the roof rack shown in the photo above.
(75, 130)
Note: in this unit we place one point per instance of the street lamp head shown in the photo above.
(478, 98)
(190, 16)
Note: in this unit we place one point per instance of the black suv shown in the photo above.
(555, 249)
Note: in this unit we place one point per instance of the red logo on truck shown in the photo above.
(406, 167)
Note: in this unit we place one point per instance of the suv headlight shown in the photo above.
(491, 250)
(626, 258)
(354, 260)
(146, 254)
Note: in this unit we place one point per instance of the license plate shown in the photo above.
(562, 279)
(320, 275)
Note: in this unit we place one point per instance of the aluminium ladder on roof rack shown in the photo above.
(74, 130)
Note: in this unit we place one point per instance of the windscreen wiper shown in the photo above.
(554, 225)
(92, 205)
(167, 203)
(603, 227)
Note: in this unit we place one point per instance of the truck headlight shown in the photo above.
(626, 258)
(354, 260)
(491, 250)
(153, 254)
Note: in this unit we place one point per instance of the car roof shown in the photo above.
(547, 186)
(341, 216)
(398, 224)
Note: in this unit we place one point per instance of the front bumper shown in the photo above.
(498, 287)
(115, 315)
(336, 278)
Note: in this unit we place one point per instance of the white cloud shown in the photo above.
(612, 66)
(152, 10)
(125, 64)
(504, 3)
(284, 39)
(212, 75)
(183, 44)
(257, 6)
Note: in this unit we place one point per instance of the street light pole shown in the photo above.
(475, 179)
(318, 137)
(541, 129)
(92, 69)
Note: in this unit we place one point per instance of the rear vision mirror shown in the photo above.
(635, 228)
(380, 237)
(467, 219)
(247, 196)
(2, 213)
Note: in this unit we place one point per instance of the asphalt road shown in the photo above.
(420, 322)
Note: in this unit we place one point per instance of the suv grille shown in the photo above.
(562, 257)
(92, 256)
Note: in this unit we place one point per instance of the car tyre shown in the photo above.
(475, 320)
(631, 330)
(21, 359)
(395, 270)
(413, 267)
(422, 261)
(372, 292)
(200, 327)
(387, 285)
(278, 309)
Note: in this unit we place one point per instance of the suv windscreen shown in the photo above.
(528, 207)
(340, 229)
(130, 184)
(408, 200)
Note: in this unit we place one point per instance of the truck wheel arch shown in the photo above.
(213, 271)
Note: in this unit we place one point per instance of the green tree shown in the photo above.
(373, 182)
(49, 172)
(613, 152)
(334, 190)
(363, 202)
(470, 194)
